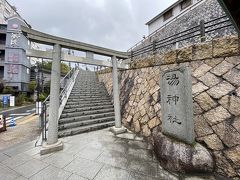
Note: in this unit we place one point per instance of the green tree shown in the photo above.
(32, 86)
(48, 66)
(20, 99)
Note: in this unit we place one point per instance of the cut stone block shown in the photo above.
(220, 90)
(217, 115)
(222, 68)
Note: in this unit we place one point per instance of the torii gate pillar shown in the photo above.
(118, 129)
(53, 144)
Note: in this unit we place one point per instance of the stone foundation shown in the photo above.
(180, 157)
(215, 67)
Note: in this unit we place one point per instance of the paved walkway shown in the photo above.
(96, 155)
(25, 130)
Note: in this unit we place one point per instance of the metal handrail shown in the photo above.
(196, 31)
(43, 115)
(169, 22)
(70, 77)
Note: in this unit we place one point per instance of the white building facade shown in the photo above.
(170, 14)
(6, 11)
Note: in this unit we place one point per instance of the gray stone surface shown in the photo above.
(112, 158)
(210, 79)
(51, 172)
(180, 157)
(7, 173)
(59, 159)
(76, 177)
(3, 157)
(16, 160)
(113, 173)
(84, 167)
(220, 89)
(89, 153)
(222, 68)
(30, 168)
(176, 103)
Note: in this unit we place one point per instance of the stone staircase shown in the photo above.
(89, 107)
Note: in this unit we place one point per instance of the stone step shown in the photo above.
(88, 90)
(82, 85)
(78, 130)
(88, 99)
(87, 108)
(98, 111)
(89, 94)
(85, 123)
(87, 117)
(80, 105)
(88, 102)
(88, 83)
(83, 88)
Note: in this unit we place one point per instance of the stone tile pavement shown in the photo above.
(96, 155)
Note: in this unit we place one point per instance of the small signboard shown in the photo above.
(176, 103)
(5, 100)
(38, 107)
(12, 101)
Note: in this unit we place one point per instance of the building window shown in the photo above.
(167, 15)
(185, 4)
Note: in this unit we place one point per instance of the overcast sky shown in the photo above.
(115, 24)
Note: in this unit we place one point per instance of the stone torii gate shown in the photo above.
(56, 55)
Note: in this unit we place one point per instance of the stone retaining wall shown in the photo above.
(215, 70)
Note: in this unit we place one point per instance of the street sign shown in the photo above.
(5, 100)
(12, 101)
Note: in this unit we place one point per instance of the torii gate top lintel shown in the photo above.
(43, 38)
(47, 39)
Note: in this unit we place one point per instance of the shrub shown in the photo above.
(29, 99)
(8, 90)
(20, 99)
(42, 96)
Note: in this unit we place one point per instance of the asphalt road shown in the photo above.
(18, 112)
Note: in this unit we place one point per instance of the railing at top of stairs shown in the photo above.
(66, 86)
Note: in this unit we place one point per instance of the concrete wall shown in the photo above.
(215, 70)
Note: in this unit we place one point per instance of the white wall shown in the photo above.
(6, 11)
(176, 11)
